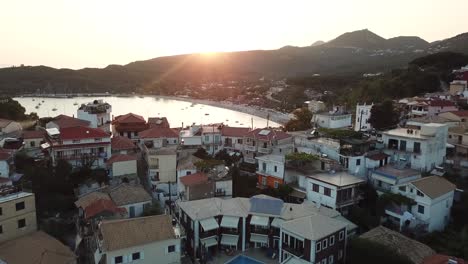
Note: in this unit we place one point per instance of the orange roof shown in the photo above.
(441, 259)
(461, 113)
(120, 158)
(122, 143)
(234, 131)
(129, 118)
(81, 132)
(159, 132)
(100, 206)
(64, 121)
(194, 179)
(29, 134)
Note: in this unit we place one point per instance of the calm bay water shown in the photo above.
(176, 111)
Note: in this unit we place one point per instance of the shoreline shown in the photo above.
(275, 116)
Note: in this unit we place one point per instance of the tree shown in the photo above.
(384, 116)
(362, 251)
(201, 154)
(154, 209)
(301, 120)
(11, 109)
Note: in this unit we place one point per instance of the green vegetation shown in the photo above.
(207, 165)
(11, 109)
(301, 120)
(363, 251)
(384, 116)
(301, 157)
(339, 133)
(153, 209)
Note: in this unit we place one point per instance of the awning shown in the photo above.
(229, 240)
(209, 224)
(277, 222)
(297, 194)
(448, 145)
(209, 242)
(230, 221)
(259, 238)
(259, 220)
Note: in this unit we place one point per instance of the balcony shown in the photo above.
(210, 233)
(249, 160)
(259, 230)
(220, 193)
(264, 150)
(153, 167)
(78, 156)
(250, 148)
(352, 200)
(295, 251)
(230, 231)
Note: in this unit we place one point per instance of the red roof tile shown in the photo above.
(441, 103)
(272, 135)
(64, 121)
(120, 158)
(441, 259)
(461, 113)
(378, 156)
(159, 132)
(81, 132)
(100, 206)
(129, 118)
(6, 154)
(194, 179)
(234, 131)
(122, 143)
(30, 134)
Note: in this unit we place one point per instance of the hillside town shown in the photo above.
(99, 188)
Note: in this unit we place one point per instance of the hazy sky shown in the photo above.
(95, 33)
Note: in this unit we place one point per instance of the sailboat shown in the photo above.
(75, 103)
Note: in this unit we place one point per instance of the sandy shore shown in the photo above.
(275, 116)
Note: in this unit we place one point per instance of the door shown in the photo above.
(132, 211)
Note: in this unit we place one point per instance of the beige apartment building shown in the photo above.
(17, 213)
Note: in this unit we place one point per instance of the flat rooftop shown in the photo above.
(339, 179)
(395, 172)
(14, 196)
(271, 157)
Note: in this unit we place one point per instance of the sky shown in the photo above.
(95, 33)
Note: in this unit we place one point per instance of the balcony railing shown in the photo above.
(82, 155)
(249, 160)
(209, 233)
(257, 230)
(295, 251)
(220, 193)
(264, 150)
(153, 167)
(250, 148)
(351, 200)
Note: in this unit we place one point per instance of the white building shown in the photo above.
(98, 113)
(232, 138)
(433, 199)
(141, 240)
(336, 190)
(363, 113)
(422, 149)
(191, 136)
(270, 170)
(337, 118)
(386, 177)
(122, 166)
(211, 138)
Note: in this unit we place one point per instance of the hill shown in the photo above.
(352, 53)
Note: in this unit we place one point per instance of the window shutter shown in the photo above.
(125, 259)
(142, 255)
(113, 260)
(177, 248)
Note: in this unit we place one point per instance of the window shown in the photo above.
(418, 193)
(403, 145)
(118, 259)
(325, 243)
(402, 188)
(318, 247)
(276, 185)
(21, 223)
(340, 254)
(324, 261)
(315, 187)
(136, 256)
(239, 141)
(188, 173)
(330, 259)
(97, 139)
(417, 147)
(171, 248)
(358, 162)
(76, 141)
(264, 179)
(207, 138)
(136, 134)
(1, 211)
(33, 143)
(327, 191)
(263, 166)
(341, 235)
(421, 209)
(276, 168)
(332, 240)
(19, 206)
(447, 204)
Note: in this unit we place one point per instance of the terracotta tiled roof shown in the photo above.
(194, 179)
(272, 135)
(81, 132)
(120, 158)
(129, 118)
(122, 143)
(5, 154)
(159, 132)
(90, 198)
(125, 193)
(440, 103)
(100, 206)
(442, 259)
(64, 121)
(434, 186)
(461, 113)
(234, 131)
(4, 122)
(126, 233)
(36, 247)
(30, 134)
